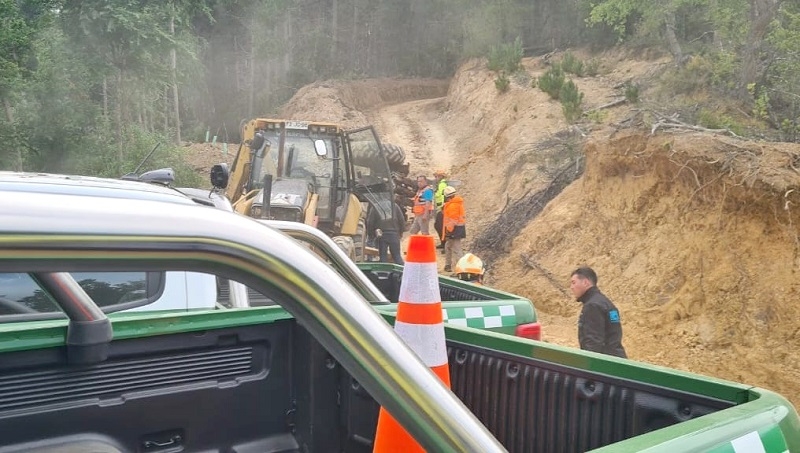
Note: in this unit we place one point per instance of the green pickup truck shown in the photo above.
(463, 303)
(305, 376)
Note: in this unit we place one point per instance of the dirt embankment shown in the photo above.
(346, 102)
(694, 237)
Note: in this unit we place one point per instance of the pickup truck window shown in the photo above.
(21, 296)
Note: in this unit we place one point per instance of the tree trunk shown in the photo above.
(672, 40)
(251, 75)
(145, 117)
(118, 115)
(174, 66)
(166, 110)
(354, 60)
(762, 12)
(713, 5)
(105, 98)
(237, 66)
(335, 34)
(287, 39)
(10, 117)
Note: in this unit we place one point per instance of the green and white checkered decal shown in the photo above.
(769, 440)
(488, 317)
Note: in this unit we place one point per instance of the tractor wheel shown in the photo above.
(360, 242)
(395, 156)
(346, 244)
(394, 153)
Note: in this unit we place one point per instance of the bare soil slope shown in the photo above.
(694, 236)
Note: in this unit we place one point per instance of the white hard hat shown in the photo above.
(469, 264)
(449, 190)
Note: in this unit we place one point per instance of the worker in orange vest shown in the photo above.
(454, 229)
(423, 207)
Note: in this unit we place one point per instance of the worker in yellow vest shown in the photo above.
(438, 201)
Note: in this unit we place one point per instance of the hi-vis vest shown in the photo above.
(452, 219)
(419, 204)
(438, 196)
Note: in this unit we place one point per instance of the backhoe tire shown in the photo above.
(396, 158)
(360, 242)
(346, 244)
(394, 153)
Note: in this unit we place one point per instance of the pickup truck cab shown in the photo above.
(140, 291)
(463, 303)
(309, 373)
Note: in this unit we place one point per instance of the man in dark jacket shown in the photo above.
(599, 326)
(388, 228)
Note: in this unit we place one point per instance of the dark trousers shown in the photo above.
(438, 225)
(390, 243)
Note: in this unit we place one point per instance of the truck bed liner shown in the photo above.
(272, 387)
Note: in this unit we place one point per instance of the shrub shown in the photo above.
(592, 68)
(632, 92)
(692, 77)
(760, 101)
(571, 65)
(597, 116)
(789, 129)
(551, 81)
(502, 82)
(714, 120)
(506, 57)
(571, 99)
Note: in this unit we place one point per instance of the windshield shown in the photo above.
(300, 160)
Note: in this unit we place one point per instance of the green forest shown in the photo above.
(91, 86)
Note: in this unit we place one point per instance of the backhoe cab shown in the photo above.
(314, 173)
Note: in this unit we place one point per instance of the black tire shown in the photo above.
(360, 241)
(394, 153)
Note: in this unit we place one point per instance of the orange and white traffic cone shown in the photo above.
(419, 323)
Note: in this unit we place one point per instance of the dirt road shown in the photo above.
(417, 127)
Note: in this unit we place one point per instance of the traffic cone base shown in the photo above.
(390, 437)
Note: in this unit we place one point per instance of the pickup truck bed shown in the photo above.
(253, 380)
(499, 311)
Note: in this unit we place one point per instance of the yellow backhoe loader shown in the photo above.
(315, 173)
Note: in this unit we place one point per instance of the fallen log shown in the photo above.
(613, 103)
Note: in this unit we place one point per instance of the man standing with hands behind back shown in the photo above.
(599, 325)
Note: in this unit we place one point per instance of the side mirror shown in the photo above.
(220, 176)
(320, 148)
